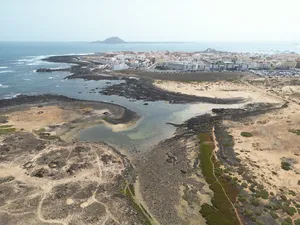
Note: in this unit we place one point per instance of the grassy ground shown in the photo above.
(221, 210)
(130, 193)
(6, 129)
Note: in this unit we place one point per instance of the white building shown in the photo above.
(121, 66)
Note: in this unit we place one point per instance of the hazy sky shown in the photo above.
(150, 20)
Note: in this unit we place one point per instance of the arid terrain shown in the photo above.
(233, 165)
(46, 178)
(265, 143)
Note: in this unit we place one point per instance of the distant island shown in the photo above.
(117, 40)
(111, 40)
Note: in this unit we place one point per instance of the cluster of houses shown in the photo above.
(121, 60)
(209, 60)
(217, 61)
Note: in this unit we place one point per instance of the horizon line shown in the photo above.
(153, 42)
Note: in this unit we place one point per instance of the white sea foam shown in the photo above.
(7, 71)
(3, 67)
(27, 79)
(3, 86)
(50, 78)
(9, 96)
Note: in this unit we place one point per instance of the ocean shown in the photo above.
(18, 62)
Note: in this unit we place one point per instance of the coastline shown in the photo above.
(174, 174)
(138, 86)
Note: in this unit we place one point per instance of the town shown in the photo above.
(275, 64)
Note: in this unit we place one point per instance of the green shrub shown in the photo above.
(7, 130)
(274, 215)
(249, 213)
(289, 210)
(41, 130)
(297, 131)
(287, 221)
(297, 222)
(262, 194)
(5, 126)
(244, 184)
(292, 193)
(285, 166)
(207, 209)
(242, 198)
(246, 134)
(254, 202)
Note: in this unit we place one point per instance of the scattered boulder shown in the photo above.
(42, 172)
(28, 165)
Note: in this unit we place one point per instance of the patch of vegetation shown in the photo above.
(222, 211)
(287, 221)
(286, 166)
(274, 215)
(283, 197)
(295, 131)
(249, 214)
(289, 210)
(260, 223)
(5, 126)
(48, 136)
(226, 170)
(297, 222)
(242, 198)
(6, 130)
(246, 134)
(292, 193)
(244, 184)
(130, 186)
(145, 216)
(255, 202)
(273, 206)
(258, 213)
(207, 210)
(262, 194)
(41, 130)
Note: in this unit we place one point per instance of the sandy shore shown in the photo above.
(218, 89)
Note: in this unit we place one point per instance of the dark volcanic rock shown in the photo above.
(143, 89)
(47, 70)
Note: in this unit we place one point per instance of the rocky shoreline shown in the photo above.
(135, 87)
(124, 115)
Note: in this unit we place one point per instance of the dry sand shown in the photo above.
(221, 89)
(272, 143)
(36, 118)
